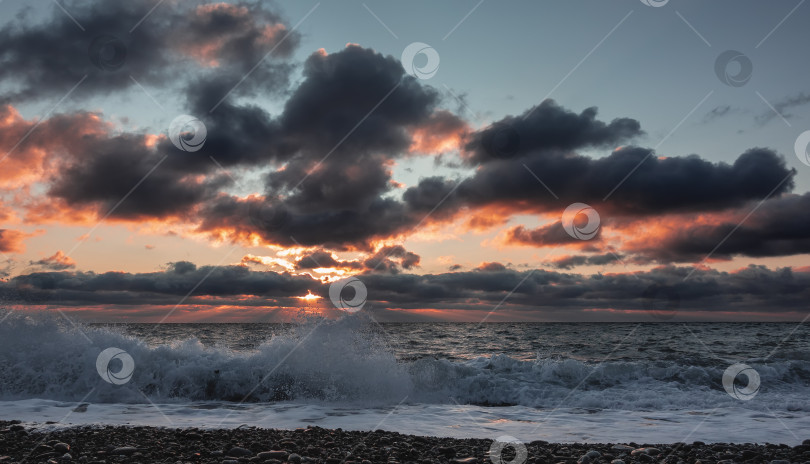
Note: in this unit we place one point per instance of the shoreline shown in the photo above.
(315, 445)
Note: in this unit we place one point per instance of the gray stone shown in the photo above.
(238, 451)
(280, 455)
(647, 451)
(622, 448)
(61, 447)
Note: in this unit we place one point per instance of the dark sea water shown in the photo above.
(699, 343)
(563, 381)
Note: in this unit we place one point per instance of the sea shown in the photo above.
(658, 382)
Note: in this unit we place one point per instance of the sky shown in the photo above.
(193, 161)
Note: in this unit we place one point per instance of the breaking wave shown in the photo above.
(341, 361)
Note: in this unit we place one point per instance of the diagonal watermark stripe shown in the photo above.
(467, 413)
(572, 71)
(462, 103)
(149, 13)
(693, 28)
(773, 414)
(678, 447)
(780, 23)
(373, 429)
(116, 206)
(708, 350)
(43, 118)
(581, 382)
(772, 108)
(740, 223)
(148, 94)
(318, 164)
(541, 182)
(531, 273)
(193, 289)
(67, 13)
(380, 21)
(278, 44)
(96, 226)
(156, 408)
(267, 376)
(57, 423)
(462, 20)
(790, 334)
(623, 263)
(650, 154)
(425, 217)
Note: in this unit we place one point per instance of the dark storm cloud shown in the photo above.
(515, 151)
(490, 267)
(337, 162)
(239, 34)
(48, 57)
(56, 262)
(569, 262)
(324, 259)
(549, 235)
(755, 289)
(657, 186)
(205, 48)
(319, 132)
(336, 171)
(164, 287)
(780, 227)
(108, 170)
(389, 259)
(331, 149)
(339, 229)
(548, 127)
(340, 89)
(244, 135)
(339, 196)
(752, 289)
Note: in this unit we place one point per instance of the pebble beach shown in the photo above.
(29, 443)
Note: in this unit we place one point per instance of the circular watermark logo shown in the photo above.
(107, 52)
(409, 57)
(801, 146)
(116, 377)
(750, 390)
(655, 3)
(502, 141)
(661, 301)
(742, 75)
(356, 302)
(503, 442)
(577, 230)
(187, 133)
